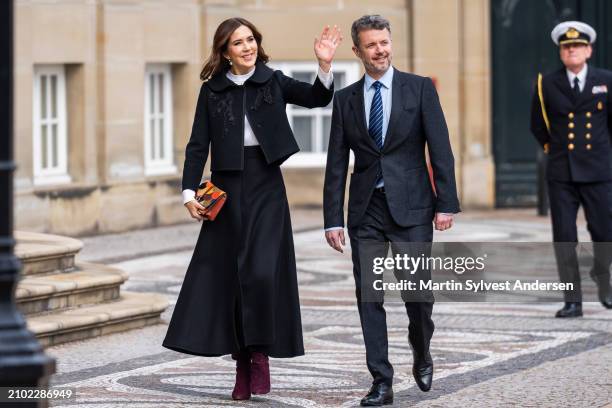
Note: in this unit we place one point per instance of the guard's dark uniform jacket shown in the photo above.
(578, 169)
(579, 139)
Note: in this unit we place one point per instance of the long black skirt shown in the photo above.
(240, 289)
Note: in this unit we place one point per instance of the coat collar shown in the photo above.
(592, 78)
(563, 84)
(219, 82)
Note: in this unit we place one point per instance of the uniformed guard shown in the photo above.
(571, 119)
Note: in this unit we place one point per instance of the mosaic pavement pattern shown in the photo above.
(487, 346)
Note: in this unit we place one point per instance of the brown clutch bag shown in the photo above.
(210, 197)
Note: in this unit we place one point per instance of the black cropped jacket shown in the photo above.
(219, 119)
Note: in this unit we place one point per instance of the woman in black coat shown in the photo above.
(240, 293)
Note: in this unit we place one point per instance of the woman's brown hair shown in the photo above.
(216, 62)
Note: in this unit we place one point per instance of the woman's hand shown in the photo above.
(193, 207)
(325, 47)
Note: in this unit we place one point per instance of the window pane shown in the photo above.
(161, 138)
(53, 96)
(326, 129)
(339, 80)
(43, 146)
(54, 146)
(304, 76)
(43, 96)
(151, 95)
(160, 107)
(339, 83)
(152, 137)
(302, 129)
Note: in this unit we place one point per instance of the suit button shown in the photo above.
(588, 147)
(588, 126)
(570, 146)
(588, 114)
(259, 125)
(571, 125)
(588, 136)
(571, 115)
(571, 136)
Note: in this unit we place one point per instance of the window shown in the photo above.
(158, 120)
(50, 140)
(311, 126)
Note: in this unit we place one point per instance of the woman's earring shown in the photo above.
(229, 61)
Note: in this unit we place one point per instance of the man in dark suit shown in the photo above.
(387, 118)
(571, 117)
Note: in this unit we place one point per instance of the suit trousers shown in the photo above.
(378, 227)
(596, 200)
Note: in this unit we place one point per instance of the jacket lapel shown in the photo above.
(591, 80)
(397, 105)
(563, 84)
(358, 107)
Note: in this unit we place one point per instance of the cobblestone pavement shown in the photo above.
(485, 354)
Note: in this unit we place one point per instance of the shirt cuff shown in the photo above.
(333, 228)
(326, 78)
(188, 195)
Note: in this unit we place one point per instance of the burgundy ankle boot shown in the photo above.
(260, 373)
(242, 389)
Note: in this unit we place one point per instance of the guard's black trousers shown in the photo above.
(378, 229)
(596, 200)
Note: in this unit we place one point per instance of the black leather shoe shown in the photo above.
(571, 309)
(605, 294)
(603, 288)
(380, 394)
(606, 301)
(423, 373)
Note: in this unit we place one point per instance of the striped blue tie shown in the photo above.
(375, 127)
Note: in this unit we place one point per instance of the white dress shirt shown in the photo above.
(326, 78)
(580, 75)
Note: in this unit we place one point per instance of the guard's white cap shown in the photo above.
(573, 32)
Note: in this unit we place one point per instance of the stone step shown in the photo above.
(89, 283)
(130, 311)
(45, 253)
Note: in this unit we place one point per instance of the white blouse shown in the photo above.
(249, 136)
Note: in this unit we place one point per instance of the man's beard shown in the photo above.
(379, 68)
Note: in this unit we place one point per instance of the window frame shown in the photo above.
(164, 165)
(57, 174)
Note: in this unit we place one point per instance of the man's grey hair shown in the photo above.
(368, 22)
